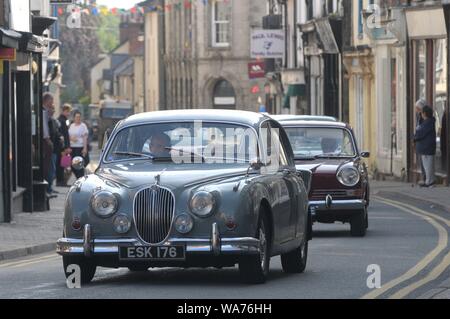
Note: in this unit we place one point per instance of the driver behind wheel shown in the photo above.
(329, 145)
(160, 145)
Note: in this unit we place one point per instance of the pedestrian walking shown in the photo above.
(420, 104)
(78, 133)
(57, 140)
(64, 129)
(425, 139)
(47, 144)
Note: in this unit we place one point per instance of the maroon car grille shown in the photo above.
(153, 214)
(321, 194)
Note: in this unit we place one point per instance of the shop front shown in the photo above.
(429, 76)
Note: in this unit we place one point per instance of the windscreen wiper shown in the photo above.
(133, 154)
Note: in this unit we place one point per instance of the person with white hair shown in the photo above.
(420, 105)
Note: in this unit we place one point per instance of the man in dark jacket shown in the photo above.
(64, 129)
(56, 139)
(425, 139)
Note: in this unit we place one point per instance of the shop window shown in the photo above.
(440, 98)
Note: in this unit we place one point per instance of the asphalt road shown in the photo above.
(409, 247)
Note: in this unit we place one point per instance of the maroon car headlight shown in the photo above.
(348, 176)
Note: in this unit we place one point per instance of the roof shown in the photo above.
(206, 115)
(313, 124)
(303, 118)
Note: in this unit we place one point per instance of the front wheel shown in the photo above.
(359, 224)
(295, 261)
(255, 269)
(87, 268)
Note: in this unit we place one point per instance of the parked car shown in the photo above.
(155, 202)
(340, 189)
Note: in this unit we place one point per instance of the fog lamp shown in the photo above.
(121, 224)
(184, 223)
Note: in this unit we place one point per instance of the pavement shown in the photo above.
(36, 233)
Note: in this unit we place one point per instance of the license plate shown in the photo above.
(152, 253)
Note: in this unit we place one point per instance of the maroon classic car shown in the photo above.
(340, 185)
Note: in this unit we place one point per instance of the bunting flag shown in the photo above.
(103, 10)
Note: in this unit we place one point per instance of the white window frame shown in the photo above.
(214, 24)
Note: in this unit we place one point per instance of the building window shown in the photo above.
(221, 19)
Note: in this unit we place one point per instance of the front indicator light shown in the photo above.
(121, 224)
(184, 223)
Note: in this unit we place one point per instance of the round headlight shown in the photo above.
(184, 223)
(202, 204)
(121, 224)
(104, 204)
(348, 176)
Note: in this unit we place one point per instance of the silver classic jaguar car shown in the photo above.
(197, 188)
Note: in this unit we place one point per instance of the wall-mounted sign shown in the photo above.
(20, 15)
(268, 44)
(256, 70)
(8, 54)
(224, 100)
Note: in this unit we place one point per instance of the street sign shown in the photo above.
(268, 44)
(256, 70)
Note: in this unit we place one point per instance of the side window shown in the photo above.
(287, 147)
(266, 141)
(278, 141)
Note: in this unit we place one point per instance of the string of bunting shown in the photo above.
(103, 10)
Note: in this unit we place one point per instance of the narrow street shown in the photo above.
(408, 245)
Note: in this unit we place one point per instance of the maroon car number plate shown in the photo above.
(152, 253)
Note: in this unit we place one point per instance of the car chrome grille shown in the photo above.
(321, 194)
(153, 213)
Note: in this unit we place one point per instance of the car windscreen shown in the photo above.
(114, 113)
(320, 142)
(186, 142)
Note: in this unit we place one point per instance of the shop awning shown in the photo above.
(326, 36)
(42, 23)
(32, 43)
(292, 91)
(426, 23)
(9, 38)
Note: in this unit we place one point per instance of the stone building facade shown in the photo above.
(207, 52)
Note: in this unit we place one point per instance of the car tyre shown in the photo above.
(295, 261)
(255, 269)
(359, 224)
(87, 267)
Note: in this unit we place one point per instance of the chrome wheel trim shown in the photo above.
(303, 251)
(262, 247)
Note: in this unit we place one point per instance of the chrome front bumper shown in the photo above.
(216, 246)
(336, 205)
